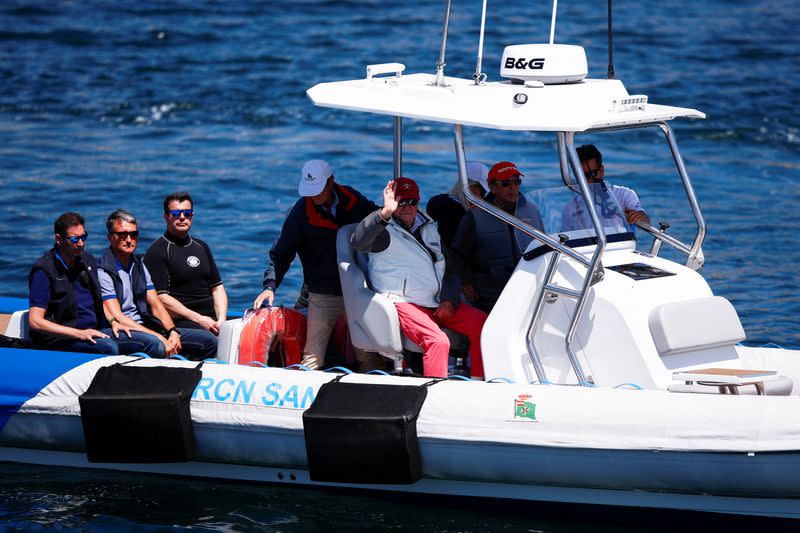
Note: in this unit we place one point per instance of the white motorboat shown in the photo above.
(613, 376)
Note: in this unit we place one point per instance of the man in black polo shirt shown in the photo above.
(184, 273)
(130, 300)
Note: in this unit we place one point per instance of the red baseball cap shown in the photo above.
(503, 170)
(405, 188)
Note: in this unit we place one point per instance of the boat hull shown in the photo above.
(735, 505)
(610, 447)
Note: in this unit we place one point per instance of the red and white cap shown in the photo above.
(504, 170)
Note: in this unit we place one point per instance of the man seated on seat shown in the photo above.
(184, 272)
(575, 215)
(66, 312)
(406, 263)
(488, 247)
(130, 301)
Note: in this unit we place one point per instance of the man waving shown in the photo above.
(406, 263)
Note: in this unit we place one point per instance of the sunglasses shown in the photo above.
(125, 234)
(508, 183)
(408, 201)
(591, 173)
(75, 238)
(176, 213)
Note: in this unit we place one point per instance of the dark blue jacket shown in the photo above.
(62, 308)
(138, 284)
(310, 232)
(490, 249)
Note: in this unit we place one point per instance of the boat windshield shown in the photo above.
(562, 210)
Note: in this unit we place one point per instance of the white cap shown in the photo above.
(478, 172)
(313, 177)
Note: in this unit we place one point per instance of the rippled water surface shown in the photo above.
(114, 104)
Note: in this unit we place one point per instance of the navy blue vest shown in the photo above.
(138, 284)
(62, 308)
(497, 250)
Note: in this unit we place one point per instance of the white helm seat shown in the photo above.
(371, 316)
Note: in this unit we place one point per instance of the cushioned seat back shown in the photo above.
(695, 325)
(18, 326)
(371, 317)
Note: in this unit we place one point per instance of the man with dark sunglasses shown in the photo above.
(130, 301)
(184, 272)
(488, 248)
(575, 215)
(66, 312)
(406, 262)
(309, 232)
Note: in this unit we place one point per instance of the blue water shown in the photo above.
(114, 104)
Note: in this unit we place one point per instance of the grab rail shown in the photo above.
(595, 272)
(660, 236)
(461, 159)
(694, 252)
(385, 68)
(695, 260)
(552, 266)
(593, 265)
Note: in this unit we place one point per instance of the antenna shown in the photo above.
(553, 21)
(610, 53)
(479, 76)
(440, 62)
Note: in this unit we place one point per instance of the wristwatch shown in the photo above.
(170, 330)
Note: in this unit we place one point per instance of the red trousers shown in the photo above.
(419, 325)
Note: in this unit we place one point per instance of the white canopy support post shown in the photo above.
(440, 62)
(479, 76)
(553, 21)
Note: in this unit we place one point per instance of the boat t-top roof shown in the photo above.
(576, 107)
(547, 91)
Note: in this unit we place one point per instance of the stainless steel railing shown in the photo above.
(568, 158)
(592, 265)
(694, 251)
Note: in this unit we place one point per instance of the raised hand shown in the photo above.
(389, 201)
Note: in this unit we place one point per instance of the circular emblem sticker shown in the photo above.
(192, 261)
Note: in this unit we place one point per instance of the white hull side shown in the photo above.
(768, 507)
(766, 475)
(594, 445)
